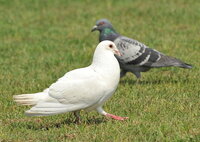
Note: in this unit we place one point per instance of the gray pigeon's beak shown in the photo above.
(94, 28)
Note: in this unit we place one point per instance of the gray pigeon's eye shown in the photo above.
(101, 23)
(111, 46)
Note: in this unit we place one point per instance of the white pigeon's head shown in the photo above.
(109, 46)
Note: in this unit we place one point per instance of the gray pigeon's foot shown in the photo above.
(138, 81)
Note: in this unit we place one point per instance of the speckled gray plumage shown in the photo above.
(136, 56)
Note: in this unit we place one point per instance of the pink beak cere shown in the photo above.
(118, 53)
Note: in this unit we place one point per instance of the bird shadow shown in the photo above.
(144, 82)
(68, 122)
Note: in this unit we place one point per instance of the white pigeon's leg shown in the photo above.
(101, 111)
(78, 118)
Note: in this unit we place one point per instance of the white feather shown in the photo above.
(86, 88)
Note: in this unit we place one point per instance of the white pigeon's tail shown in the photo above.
(49, 108)
(44, 105)
(30, 99)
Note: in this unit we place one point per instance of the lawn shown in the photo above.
(41, 40)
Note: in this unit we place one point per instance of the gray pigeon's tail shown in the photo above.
(185, 65)
(167, 61)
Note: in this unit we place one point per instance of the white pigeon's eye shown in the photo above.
(110, 46)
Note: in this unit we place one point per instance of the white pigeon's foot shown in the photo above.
(78, 118)
(115, 117)
(101, 111)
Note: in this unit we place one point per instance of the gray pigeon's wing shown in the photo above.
(135, 53)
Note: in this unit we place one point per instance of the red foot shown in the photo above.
(116, 117)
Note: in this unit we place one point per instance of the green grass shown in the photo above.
(42, 40)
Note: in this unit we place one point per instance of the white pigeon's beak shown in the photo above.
(117, 52)
(94, 28)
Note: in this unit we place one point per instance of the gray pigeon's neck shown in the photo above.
(108, 34)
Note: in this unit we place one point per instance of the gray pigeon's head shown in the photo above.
(101, 24)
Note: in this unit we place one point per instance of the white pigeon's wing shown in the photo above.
(84, 91)
(71, 93)
(135, 53)
(82, 87)
(82, 73)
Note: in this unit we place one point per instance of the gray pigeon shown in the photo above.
(136, 57)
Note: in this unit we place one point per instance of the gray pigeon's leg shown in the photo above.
(123, 73)
(78, 118)
(137, 70)
(137, 74)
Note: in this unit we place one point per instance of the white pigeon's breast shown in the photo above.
(106, 95)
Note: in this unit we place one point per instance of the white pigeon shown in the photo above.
(80, 89)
